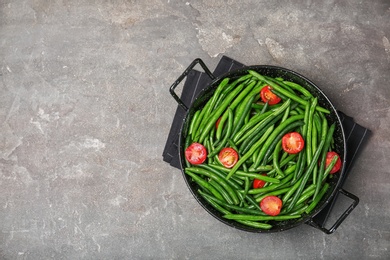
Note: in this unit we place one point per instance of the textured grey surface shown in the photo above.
(85, 112)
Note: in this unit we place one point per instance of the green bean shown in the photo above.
(284, 131)
(253, 93)
(247, 117)
(298, 211)
(281, 83)
(279, 94)
(264, 108)
(216, 95)
(276, 159)
(223, 118)
(284, 156)
(313, 147)
(286, 92)
(208, 148)
(262, 168)
(273, 193)
(247, 185)
(300, 110)
(198, 122)
(248, 174)
(329, 168)
(260, 218)
(306, 175)
(236, 208)
(318, 119)
(242, 115)
(317, 198)
(221, 126)
(257, 176)
(250, 152)
(285, 161)
(212, 119)
(293, 188)
(204, 184)
(300, 203)
(243, 132)
(232, 144)
(221, 181)
(224, 211)
(286, 114)
(243, 79)
(193, 120)
(252, 201)
(271, 187)
(301, 163)
(329, 138)
(277, 130)
(214, 204)
(187, 143)
(298, 87)
(221, 190)
(255, 224)
(260, 130)
(288, 171)
(306, 120)
(261, 105)
(243, 94)
(309, 153)
(314, 136)
(234, 182)
(327, 135)
(226, 137)
(306, 194)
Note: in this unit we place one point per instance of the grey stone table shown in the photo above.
(85, 112)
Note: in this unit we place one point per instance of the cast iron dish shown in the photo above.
(272, 71)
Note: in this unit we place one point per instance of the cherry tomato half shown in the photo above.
(268, 96)
(196, 153)
(293, 142)
(337, 166)
(271, 205)
(228, 157)
(257, 184)
(217, 123)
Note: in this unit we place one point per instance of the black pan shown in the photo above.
(272, 71)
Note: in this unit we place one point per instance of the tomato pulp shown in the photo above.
(293, 142)
(268, 96)
(217, 123)
(271, 205)
(196, 153)
(228, 157)
(257, 184)
(337, 166)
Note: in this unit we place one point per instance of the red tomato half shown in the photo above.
(293, 142)
(228, 157)
(329, 157)
(258, 183)
(196, 153)
(217, 123)
(271, 205)
(268, 96)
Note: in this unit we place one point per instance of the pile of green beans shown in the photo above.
(255, 129)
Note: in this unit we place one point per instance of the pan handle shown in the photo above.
(355, 199)
(183, 75)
